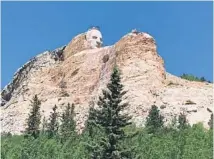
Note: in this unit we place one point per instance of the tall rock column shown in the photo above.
(142, 70)
(137, 53)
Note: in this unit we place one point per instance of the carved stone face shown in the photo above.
(94, 38)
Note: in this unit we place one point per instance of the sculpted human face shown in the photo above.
(94, 38)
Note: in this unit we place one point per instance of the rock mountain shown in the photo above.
(77, 72)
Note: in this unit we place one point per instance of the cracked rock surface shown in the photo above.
(84, 72)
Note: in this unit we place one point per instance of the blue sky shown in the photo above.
(183, 30)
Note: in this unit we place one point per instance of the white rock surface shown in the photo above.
(85, 72)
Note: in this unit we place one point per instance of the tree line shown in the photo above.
(194, 78)
(108, 133)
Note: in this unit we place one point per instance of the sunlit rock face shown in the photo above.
(85, 71)
(91, 39)
(77, 44)
(94, 38)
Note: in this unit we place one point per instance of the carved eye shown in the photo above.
(94, 37)
(101, 39)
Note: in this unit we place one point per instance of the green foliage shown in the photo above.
(34, 118)
(52, 126)
(193, 78)
(44, 126)
(191, 143)
(198, 143)
(108, 133)
(68, 124)
(92, 133)
(109, 117)
(90, 125)
(154, 121)
(210, 123)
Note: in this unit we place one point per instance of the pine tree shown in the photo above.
(210, 123)
(182, 134)
(44, 125)
(182, 120)
(68, 125)
(90, 123)
(109, 117)
(34, 118)
(52, 126)
(202, 79)
(93, 133)
(154, 121)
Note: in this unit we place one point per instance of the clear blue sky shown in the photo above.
(183, 30)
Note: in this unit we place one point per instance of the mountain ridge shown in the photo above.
(78, 72)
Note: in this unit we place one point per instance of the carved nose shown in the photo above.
(98, 44)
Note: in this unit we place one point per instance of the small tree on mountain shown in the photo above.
(154, 121)
(182, 120)
(108, 116)
(90, 125)
(94, 132)
(52, 126)
(202, 79)
(68, 125)
(44, 125)
(34, 118)
(182, 135)
(210, 123)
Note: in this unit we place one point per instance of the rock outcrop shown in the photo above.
(76, 45)
(84, 72)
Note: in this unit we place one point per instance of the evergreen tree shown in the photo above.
(210, 123)
(154, 121)
(202, 79)
(34, 118)
(52, 126)
(44, 125)
(68, 125)
(192, 78)
(90, 123)
(183, 125)
(108, 116)
(182, 120)
(93, 132)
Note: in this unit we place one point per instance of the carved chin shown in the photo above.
(95, 45)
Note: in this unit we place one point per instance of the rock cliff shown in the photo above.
(84, 72)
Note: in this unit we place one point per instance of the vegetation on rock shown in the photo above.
(193, 78)
(110, 118)
(154, 121)
(191, 143)
(34, 118)
(108, 134)
(68, 124)
(53, 125)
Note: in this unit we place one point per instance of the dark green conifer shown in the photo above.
(90, 125)
(52, 126)
(68, 125)
(202, 79)
(34, 118)
(210, 123)
(44, 126)
(154, 121)
(109, 117)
